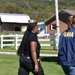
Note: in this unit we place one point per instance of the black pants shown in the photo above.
(27, 66)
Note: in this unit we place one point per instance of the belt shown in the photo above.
(28, 57)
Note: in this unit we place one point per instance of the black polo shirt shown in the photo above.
(31, 37)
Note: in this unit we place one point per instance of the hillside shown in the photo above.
(36, 9)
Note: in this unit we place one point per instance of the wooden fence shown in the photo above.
(14, 40)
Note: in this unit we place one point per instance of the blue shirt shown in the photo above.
(66, 48)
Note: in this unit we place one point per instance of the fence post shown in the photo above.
(1, 41)
(56, 43)
(16, 41)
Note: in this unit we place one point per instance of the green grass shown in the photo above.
(8, 49)
(43, 50)
(9, 65)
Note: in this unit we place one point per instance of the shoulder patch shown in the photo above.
(68, 34)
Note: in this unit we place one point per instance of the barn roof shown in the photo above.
(70, 12)
(14, 18)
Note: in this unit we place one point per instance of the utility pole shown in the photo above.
(57, 21)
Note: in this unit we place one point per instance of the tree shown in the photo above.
(12, 8)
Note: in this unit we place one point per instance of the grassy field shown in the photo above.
(45, 50)
(9, 65)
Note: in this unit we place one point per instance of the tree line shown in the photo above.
(36, 9)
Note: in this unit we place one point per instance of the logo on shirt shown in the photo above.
(68, 34)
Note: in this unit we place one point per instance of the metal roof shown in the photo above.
(14, 18)
(41, 23)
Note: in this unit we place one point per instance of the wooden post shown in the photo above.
(16, 41)
(1, 41)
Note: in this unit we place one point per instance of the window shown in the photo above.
(17, 29)
(53, 26)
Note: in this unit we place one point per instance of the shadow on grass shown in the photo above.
(49, 59)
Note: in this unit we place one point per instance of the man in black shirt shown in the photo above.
(29, 51)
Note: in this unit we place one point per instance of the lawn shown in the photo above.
(9, 65)
(44, 50)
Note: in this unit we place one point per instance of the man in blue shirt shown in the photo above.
(66, 48)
